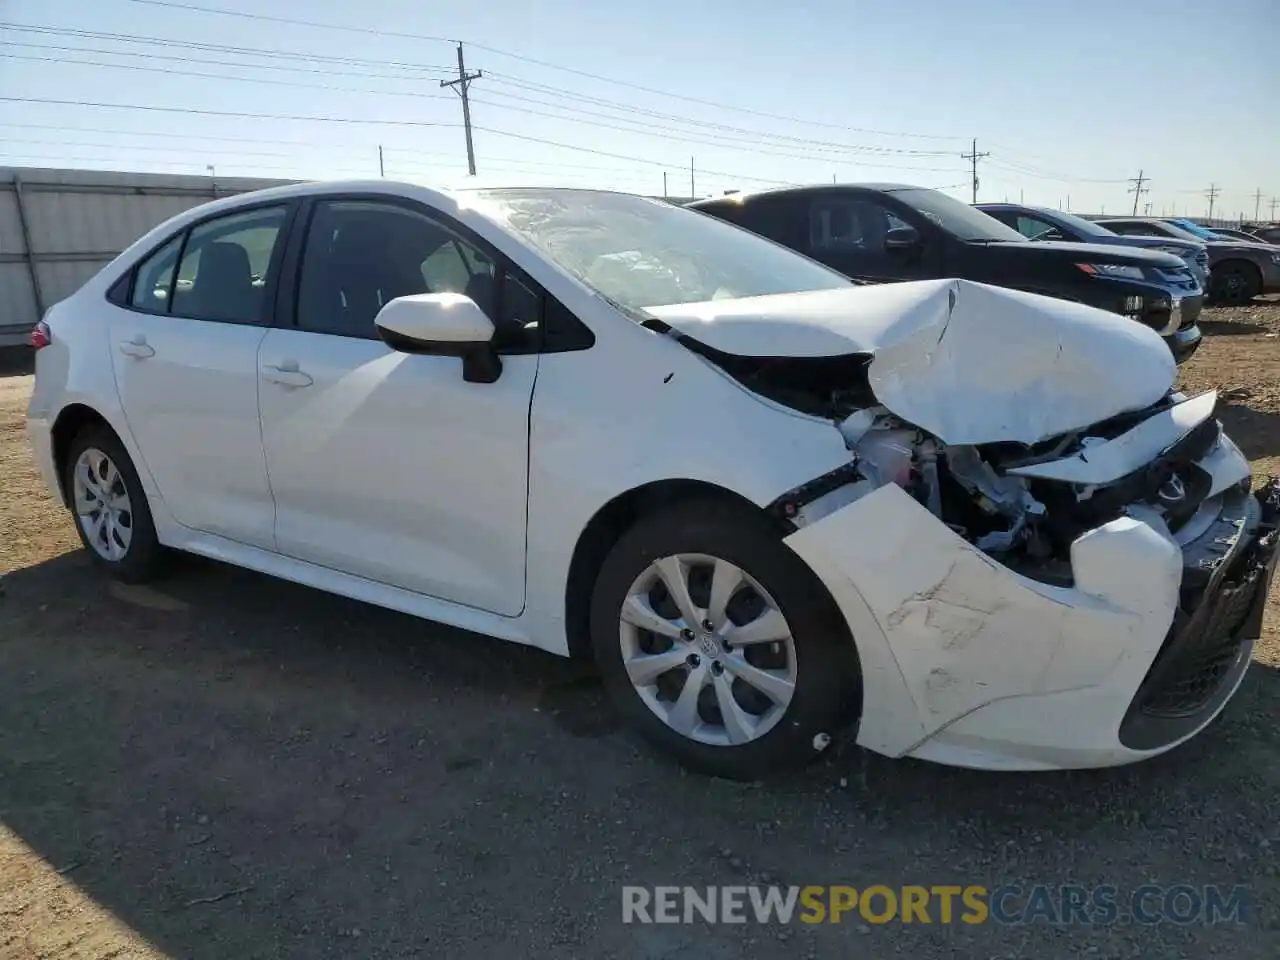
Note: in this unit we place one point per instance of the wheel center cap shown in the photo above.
(708, 644)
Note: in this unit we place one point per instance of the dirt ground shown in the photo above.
(227, 766)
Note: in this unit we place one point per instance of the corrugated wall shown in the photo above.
(78, 220)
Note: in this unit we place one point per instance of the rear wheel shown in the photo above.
(1236, 282)
(110, 507)
(718, 644)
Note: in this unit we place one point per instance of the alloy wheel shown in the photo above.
(102, 504)
(707, 649)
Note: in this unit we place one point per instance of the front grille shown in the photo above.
(1228, 569)
(1207, 653)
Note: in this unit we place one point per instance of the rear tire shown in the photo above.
(766, 674)
(1236, 282)
(109, 506)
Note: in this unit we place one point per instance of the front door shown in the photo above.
(184, 348)
(386, 465)
(850, 232)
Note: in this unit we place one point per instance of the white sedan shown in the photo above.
(960, 523)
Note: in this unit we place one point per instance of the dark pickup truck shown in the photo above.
(890, 232)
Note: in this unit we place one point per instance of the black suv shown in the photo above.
(888, 232)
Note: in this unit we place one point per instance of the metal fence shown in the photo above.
(59, 227)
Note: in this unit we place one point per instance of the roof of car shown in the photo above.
(804, 190)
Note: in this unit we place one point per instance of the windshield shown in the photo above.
(646, 253)
(1194, 228)
(955, 217)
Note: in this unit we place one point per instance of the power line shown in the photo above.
(366, 120)
(221, 48)
(461, 85)
(151, 55)
(506, 79)
(723, 141)
(752, 134)
(974, 156)
(1138, 190)
(543, 63)
(225, 113)
(222, 76)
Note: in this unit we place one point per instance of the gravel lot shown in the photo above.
(230, 766)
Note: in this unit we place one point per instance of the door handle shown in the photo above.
(137, 347)
(287, 375)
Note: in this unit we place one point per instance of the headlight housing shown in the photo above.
(1275, 258)
(1115, 270)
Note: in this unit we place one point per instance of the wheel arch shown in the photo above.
(71, 420)
(609, 523)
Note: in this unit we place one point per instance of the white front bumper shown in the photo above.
(968, 663)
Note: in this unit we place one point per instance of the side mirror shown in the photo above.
(443, 325)
(901, 238)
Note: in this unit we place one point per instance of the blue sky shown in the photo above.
(1070, 99)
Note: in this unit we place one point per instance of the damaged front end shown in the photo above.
(1037, 511)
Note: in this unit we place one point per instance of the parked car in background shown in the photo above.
(1044, 223)
(1267, 233)
(969, 525)
(1230, 233)
(892, 232)
(1239, 271)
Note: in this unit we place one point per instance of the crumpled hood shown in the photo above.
(968, 362)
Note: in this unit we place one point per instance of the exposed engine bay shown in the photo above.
(988, 494)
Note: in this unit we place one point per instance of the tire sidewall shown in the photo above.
(144, 547)
(826, 665)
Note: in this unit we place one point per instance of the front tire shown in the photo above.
(718, 644)
(109, 506)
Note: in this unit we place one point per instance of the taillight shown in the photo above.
(40, 335)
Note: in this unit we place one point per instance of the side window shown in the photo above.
(1034, 229)
(223, 274)
(850, 225)
(151, 289)
(360, 254)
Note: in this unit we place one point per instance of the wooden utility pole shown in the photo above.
(381, 170)
(1212, 194)
(692, 192)
(973, 156)
(1138, 189)
(461, 85)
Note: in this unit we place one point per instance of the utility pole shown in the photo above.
(1275, 202)
(664, 183)
(973, 157)
(381, 170)
(1257, 202)
(692, 192)
(1212, 194)
(460, 87)
(1137, 189)
(1146, 208)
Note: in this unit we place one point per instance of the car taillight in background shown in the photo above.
(40, 335)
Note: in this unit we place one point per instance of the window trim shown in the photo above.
(287, 295)
(290, 205)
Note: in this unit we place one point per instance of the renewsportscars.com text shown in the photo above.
(973, 904)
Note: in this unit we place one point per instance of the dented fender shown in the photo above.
(942, 629)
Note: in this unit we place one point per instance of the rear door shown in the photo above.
(184, 349)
